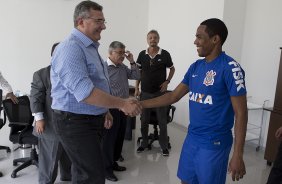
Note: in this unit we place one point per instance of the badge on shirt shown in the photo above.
(209, 79)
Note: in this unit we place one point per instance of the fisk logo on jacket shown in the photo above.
(238, 75)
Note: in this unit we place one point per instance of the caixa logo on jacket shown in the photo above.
(200, 98)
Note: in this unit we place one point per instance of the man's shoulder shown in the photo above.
(224, 58)
(164, 51)
(143, 52)
(70, 43)
(141, 56)
(228, 62)
(44, 70)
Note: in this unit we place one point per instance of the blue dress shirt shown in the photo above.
(76, 69)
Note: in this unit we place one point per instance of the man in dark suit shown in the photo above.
(50, 149)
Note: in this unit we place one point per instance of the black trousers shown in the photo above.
(275, 176)
(161, 113)
(81, 137)
(113, 139)
(52, 154)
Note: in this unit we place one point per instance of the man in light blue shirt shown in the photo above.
(81, 94)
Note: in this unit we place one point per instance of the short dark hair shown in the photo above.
(83, 8)
(53, 47)
(216, 27)
(153, 31)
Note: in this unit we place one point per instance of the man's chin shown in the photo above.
(97, 37)
(200, 54)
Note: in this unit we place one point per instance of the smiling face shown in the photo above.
(208, 47)
(93, 25)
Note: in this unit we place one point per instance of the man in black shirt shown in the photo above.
(153, 64)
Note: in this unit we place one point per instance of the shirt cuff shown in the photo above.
(38, 116)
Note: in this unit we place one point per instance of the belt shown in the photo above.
(71, 115)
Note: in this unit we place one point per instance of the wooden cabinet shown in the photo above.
(275, 120)
(272, 143)
(278, 94)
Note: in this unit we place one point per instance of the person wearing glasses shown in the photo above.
(51, 152)
(81, 95)
(216, 90)
(7, 89)
(153, 64)
(119, 74)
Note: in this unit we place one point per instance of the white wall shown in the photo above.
(28, 30)
(177, 22)
(260, 51)
(30, 27)
(234, 18)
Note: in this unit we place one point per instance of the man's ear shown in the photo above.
(80, 22)
(216, 39)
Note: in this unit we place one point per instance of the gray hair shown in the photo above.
(82, 10)
(116, 45)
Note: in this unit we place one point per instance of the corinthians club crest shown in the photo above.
(209, 79)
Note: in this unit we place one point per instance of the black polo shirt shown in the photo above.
(153, 70)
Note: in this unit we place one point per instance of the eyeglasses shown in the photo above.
(98, 21)
(121, 53)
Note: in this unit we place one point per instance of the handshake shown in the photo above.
(131, 107)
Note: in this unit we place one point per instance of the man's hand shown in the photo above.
(40, 126)
(129, 56)
(137, 93)
(108, 120)
(12, 97)
(278, 133)
(236, 168)
(164, 85)
(131, 107)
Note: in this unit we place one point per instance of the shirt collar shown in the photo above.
(159, 52)
(109, 62)
(84, 39)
